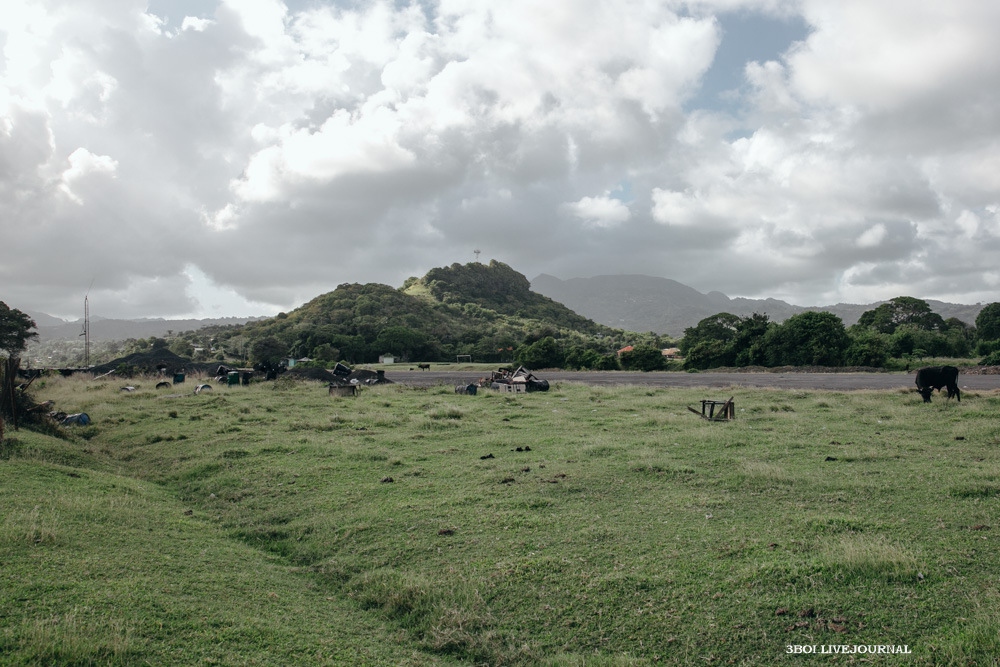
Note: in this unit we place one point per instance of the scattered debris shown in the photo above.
(78, 419)
(163, 385)
(344, 389)
(514, 382)
(466, 389)
(446, 531)
(345, 378)
(488, 456)
(129, 388)
(387, 480)
(202, 388)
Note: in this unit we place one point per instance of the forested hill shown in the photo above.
(482, 310)
(499, 288)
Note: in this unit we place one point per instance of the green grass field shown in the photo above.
(275, 524)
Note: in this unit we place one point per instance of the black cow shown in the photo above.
(936, 377)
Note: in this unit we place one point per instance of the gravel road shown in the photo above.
(833, 381)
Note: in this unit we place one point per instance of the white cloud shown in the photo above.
(872, 237)
(603, 211)
(81, 164)
(195, 23)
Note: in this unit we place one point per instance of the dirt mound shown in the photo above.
(981, 370)
(153, 361)
(306, 373)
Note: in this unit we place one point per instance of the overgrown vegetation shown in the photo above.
(898, 333)
(276, 524)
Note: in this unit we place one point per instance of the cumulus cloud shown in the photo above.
(603, 211)
(325, 143)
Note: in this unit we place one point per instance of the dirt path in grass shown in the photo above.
(832, 381)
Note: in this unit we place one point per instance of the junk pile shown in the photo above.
(347, 381)
(515, 382)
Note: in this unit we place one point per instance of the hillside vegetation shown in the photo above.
(486, 311)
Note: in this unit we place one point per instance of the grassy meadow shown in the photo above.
(274, 524)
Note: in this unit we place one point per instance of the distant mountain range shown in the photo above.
(53, 328)
(629, 302)
(644, 303)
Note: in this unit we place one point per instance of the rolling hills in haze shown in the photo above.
(664, 306)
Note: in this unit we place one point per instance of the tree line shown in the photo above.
(900, 331)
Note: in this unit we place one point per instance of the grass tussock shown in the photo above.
(446, 617)
(71, 639)
(446, 412)
(864, 556)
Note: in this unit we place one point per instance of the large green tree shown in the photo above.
(808, 339)
(544, 353)
(988, 322)
(721, 327)
(892, 314)
(15, 331)
(643, 358)
(267, 355)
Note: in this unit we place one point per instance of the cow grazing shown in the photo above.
(936, 377)
(424, 367)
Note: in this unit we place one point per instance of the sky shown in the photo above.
(212, 158)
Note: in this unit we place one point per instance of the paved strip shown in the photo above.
(830, 381)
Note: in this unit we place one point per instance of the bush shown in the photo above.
(643, 358)
(992, 359)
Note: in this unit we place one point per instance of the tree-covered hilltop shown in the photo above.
(499, 288)
(486, 311)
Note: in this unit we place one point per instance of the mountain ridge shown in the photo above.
(665, 306)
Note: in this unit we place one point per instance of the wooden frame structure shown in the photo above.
(726, 410)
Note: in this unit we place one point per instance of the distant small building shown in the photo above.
(671, 352)
(627, 348)
(386, 359)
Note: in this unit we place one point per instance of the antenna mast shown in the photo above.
(86, 326)
(477, 251)
(86, 331)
